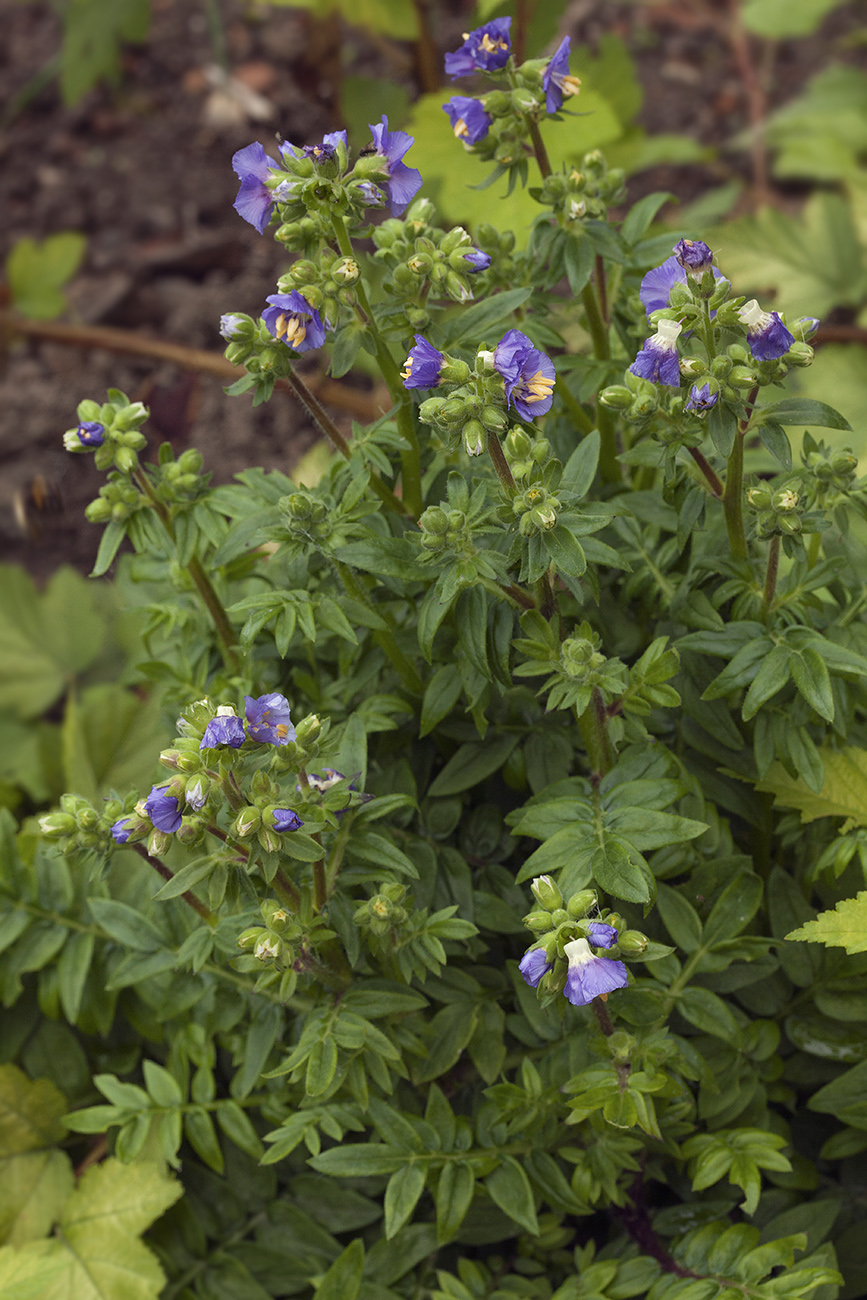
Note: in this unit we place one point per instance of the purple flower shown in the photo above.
(557, 81)
(163, 810)
(469, 120)
(373, 197)
(658, 360)
(286, 820)
(121, 830)
(403, 182)
(601, 935)
(484, 50)
(324, 780)
(766, 334)
(701, 400)
(527, 373)
(591, 977)
(196, 794)
(533, 965)
(268, 719)
(658, 283)
(255, 202)
(327, 150)
(423, 365)
(90, 433)
(694, 256)
(477, 260)
(293, 321)
(225, 729)
(230, 326)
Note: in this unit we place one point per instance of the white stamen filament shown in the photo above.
(568, 84)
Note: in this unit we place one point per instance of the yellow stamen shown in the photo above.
(460, 128)
(405, 374)
(537, 388)
(291, 329)
(282, 729)
(491, 47)
(569, 85)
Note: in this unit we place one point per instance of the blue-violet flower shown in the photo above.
(601, 935)
(286, 820)
(533, 965)
(255, 202)
(658, 360)
(658, 283)
(423, 365)
(701, 400)
(121, 830)
(557, 81)
(293, 321)
(484, 50)
(327, 149)
(230, 326)
(268, 719)
(591, 977)
(527, 373)
(766, 334)
(91, 433)
(163, 810)
(403, 182)
(225, 729)
(469, 120)
(477, 260)
(693, 256)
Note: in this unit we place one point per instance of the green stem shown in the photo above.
(513, 594)
(501, 465)
(320, 885)
(287, 891)
(384, 638)
(326, 425)
(609, 465)
(539, 147)
(200, 579)
(771, 576)
(592, 724)
(733, 499)
(162, 870)
(546, 598)
(813, 549)
(573, 406)
(410, 459)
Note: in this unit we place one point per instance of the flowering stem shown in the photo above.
(383, 638)
(609, 465)
(813, 549)
(594, 733)
(287, 891)
(573, 406)
(539, 147)
(603, 1017)
(771, 576)
(733, 499)
(327, 426)
(410, 460)
(501, 465)
(514, 594)
(546, 598)
(714, 481)
(162, 870)
(202, 582)
(320, 886)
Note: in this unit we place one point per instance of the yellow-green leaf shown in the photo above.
(844, 793)
(844, 927)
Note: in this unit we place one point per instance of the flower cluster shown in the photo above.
(268, 723)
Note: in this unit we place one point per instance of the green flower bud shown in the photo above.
(308, 729)
(616, 397)
(56, 825)
(475, 437)
(126, 460)
(581, 903)
(497, 103)
(523, 100)
(455, 238)
(420, 263)
(248, 820)
(539, 922)
(454, 371)
(547, 893)
(434, 520)
(100, 511)
(268, 948)
(632, 943)
(494, 419)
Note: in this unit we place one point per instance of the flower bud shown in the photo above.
(268, 948)
(523, 100)
(632, 943)
(308, 729)
(581, 903)
(497, 103)
(539, 922)
(457, 237)
(547, 893)
(247, 821)
(56, 825)
(454, 371)
(616, 397)
(475, 437)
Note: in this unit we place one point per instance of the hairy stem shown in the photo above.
(771, 576)
(592, 724)
(501, 465)
(609, 465)
(410, 460)
(733, 494)
(539, 147)
(162, 870)
(714, 481)
(582, 420)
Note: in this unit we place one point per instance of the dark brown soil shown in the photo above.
(144, 171)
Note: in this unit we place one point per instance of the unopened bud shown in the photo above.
(581, 903)
(632, 943)
(547, 893)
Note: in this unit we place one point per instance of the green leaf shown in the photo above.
(92, 38)
(27, 1274)
(580, 469)
(473, 322)
(37, 273)
(343, 1279)
(620, 870)
(126, 925)
(472, 764)
(844, 927)
(401, 1196)
(679, 918)
(803, 410)
(510, 1189)
(565, 551)
(454, 1198)
(778, 19)
(811, 676)
(321, 1066)
(441, 695)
